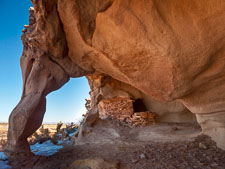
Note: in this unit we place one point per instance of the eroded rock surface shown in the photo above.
(168, 54)
(45, 67)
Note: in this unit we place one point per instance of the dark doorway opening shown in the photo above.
(139, 106)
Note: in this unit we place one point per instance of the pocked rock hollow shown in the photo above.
(168, 54)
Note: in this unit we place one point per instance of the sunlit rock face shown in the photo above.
(168, 54)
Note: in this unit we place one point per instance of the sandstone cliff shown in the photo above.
(168, 54)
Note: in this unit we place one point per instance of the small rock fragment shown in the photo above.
(213, 165)
(202, 146)
(142, 156)
(134, 160)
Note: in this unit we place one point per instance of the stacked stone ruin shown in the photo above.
(121, 109)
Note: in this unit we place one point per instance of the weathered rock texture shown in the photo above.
(45, 67)
(169, 54)
(117, 108)
(122, 110)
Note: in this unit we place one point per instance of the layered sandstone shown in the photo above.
(168, 54)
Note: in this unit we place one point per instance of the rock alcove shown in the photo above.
(166, 56)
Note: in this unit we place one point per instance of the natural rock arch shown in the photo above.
(167, 50)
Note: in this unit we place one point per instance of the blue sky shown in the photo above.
(66, 104)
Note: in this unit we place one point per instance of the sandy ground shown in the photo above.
(161, 146)
(3, 133)
(4, 130)
(141, 155)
